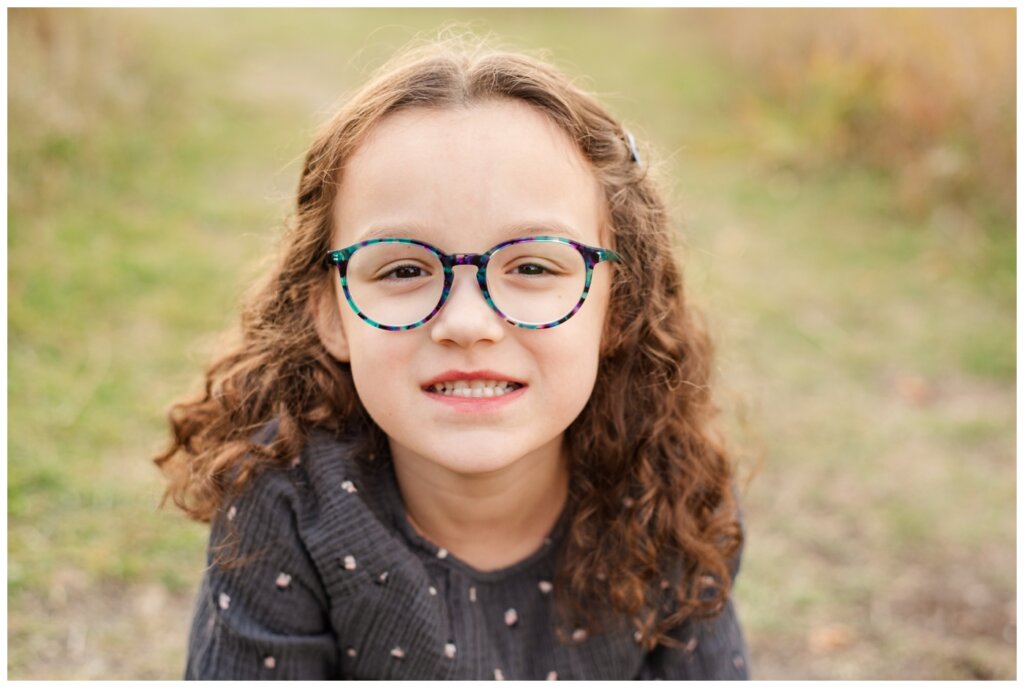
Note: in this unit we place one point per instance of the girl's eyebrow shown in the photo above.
(415, 230)
(404, 230)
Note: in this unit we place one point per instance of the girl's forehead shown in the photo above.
(478, 171)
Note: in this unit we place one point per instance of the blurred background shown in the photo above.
(844, 182)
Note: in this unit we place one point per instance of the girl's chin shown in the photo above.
(477, 463)
(477, 450)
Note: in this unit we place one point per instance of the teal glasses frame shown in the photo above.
(592, 255)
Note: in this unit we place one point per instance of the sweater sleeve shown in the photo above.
(267, 617)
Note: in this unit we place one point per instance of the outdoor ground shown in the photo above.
(866, 355)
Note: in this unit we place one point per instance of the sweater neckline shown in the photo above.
(396, 507)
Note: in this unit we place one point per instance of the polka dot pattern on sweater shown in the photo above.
(335, 559)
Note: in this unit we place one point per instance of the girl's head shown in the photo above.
(465, 148)
(465, 175)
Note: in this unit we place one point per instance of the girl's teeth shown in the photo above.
(474, 388)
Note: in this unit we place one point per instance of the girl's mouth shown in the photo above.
(473, 389)
(475, 396)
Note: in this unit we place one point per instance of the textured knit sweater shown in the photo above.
(337, 584)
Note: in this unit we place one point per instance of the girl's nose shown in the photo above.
(466, 317)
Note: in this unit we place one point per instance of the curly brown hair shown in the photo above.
(650, 479)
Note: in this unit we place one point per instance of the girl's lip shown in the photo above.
(476, 404)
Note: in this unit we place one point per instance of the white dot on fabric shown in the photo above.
(397, 652)
(283, 581)
(442, 553)
(348, 486)
(350, 562)
(432, 590)
(691, 645)
(545, 586)
(224, 600)
(449, 650)
(351, 652)
(552, 676)
(472, 594)
(269, 662)
(498, 676)
(232, 512)
(579, 635)
(638, 636)
(511, 617)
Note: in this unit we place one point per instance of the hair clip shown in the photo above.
(634, 153)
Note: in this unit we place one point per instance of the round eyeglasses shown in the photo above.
(533, 282)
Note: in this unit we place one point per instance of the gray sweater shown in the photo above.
(343, 587)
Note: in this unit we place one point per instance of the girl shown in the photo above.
(465, 433)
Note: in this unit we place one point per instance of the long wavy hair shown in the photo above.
(655, 527)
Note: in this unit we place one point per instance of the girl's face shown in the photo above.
(464, 180)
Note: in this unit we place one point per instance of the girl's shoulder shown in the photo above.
(315, 561)
(323, 476)
(330, 497)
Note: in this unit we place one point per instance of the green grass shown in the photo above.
(867, 359)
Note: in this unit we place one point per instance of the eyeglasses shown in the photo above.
(532, 282)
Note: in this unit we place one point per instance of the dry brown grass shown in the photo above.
(925, 94)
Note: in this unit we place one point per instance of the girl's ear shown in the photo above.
(327, 320)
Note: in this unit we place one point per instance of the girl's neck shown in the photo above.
(488, 522)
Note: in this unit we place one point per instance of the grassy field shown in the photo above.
(867, 355)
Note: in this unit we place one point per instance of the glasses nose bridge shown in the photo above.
(474, 259)
(477, 260)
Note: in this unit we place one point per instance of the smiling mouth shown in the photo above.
(473, 389)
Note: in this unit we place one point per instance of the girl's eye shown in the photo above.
(530, 269)
(404, 272)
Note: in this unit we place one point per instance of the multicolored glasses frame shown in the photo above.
(591, 257)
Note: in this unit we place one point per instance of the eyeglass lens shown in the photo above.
(533, 282)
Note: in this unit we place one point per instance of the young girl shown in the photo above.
(465, 433)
